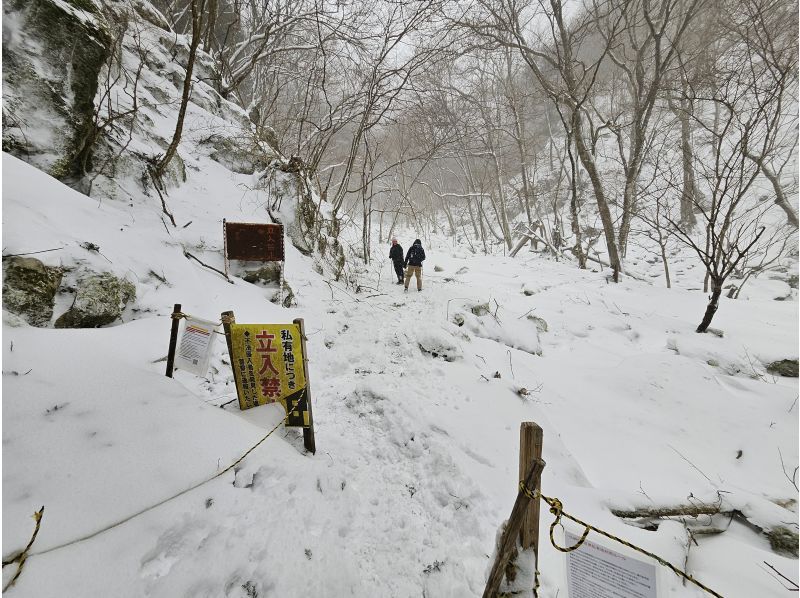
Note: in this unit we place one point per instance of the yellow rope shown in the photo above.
(557, 509)
(179, 315)
(23, 556)
(174, 496)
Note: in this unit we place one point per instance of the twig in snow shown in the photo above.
(164, 208)
(88, 246)
(792, 479)
(202, 263)
(22, 556)
(510, 364)
(30, 252)
(690, 463)
(794, 589)
(753, 367)
(790, 408)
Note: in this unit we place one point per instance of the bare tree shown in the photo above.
(197, 16)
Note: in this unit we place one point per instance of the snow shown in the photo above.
(417, 401)
(417, 454)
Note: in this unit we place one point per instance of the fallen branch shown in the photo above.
(156, 182)
(794, 589)
(202, 263)
(22, 556)
(30, 252)
(676, 511)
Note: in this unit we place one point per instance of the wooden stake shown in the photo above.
(530, 450)
(225, 249)
(228, 318)
(308, 433)
(508, 541)
(173, 339)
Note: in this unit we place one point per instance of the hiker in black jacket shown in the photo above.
(414, 259)
(396, 255)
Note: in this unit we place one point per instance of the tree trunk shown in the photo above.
(575, 224)
(198, 8)
(780, 196)
(688, 195)
(597, 185)
(713, 304)
(666, 265)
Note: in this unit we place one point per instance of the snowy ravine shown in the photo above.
(416, 463)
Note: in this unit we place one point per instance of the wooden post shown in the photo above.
(225, 249)
(228, 318)
(173, 339)
(508, 541)
(308, 433)
(530, 449)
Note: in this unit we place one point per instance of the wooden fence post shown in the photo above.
(228, 318)
(308, 433)
(530, 450)
(173, 339)
(507, 545)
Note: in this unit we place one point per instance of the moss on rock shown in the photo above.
(784, 367)
(29, 289)
(267, 274)
(99, 301)
(783, 540)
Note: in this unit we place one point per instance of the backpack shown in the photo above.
(416, 253)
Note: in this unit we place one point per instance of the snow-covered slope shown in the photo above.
(416, 463)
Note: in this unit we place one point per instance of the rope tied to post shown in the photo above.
(557, 509)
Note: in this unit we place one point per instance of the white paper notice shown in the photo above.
(196, 342)
(594, 571)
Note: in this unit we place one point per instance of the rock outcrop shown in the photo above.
(53, 52)
(99, 301)
(29, 289)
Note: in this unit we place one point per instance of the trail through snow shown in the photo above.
(417, 407)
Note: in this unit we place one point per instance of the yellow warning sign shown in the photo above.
(267, 364)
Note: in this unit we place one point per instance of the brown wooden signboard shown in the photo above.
(256, 242)
(253, 242)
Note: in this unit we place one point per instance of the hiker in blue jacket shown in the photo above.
(413, 263)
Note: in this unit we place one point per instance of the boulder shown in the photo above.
(29, 289)
(240, 155)
(784, 367)
(288, 296)
(99, 301)
(541, 323)
(267, 274)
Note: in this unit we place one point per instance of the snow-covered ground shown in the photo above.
(417, 418)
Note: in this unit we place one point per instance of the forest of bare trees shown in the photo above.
(582, 128)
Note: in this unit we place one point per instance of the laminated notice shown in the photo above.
(194, 353)
(596, 571)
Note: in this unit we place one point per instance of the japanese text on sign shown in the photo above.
(268, 367)
(254, 241)
(594, 571)
(196, 345)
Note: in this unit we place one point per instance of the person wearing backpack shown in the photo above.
(413, 263)
(396, 255)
